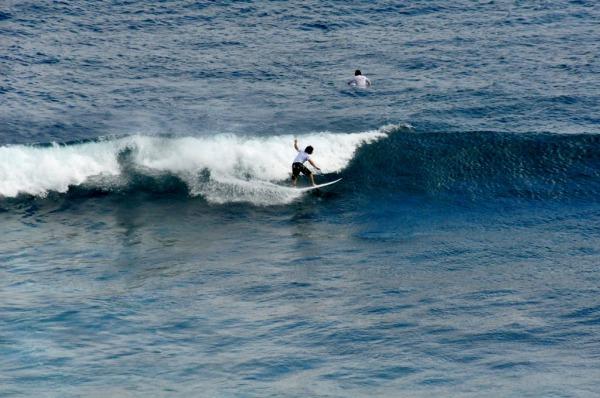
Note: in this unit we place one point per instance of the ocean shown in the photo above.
(152, 244)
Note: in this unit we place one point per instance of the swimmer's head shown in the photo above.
(309, 149)
(357, 72)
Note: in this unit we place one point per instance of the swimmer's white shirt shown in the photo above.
(360, 81)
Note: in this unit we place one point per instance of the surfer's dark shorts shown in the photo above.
(298, 168)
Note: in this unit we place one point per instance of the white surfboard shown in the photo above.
(318, 186)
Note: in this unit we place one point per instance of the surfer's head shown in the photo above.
(357, 72)
(308, 149)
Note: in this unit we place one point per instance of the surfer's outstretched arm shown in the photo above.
(313, 164)
(296, 145)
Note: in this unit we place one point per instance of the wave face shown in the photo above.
(391, 160)
(222, 168)
(481, 165)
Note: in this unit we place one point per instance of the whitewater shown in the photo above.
(237, 166)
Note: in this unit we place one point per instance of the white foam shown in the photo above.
(241, 168)
(37, 170)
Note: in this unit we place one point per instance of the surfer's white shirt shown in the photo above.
(301, 157)
(360, 81)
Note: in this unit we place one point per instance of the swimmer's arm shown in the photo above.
(313, 164)
(368, 82)
(296, 145)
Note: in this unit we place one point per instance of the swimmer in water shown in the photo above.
(359, 80)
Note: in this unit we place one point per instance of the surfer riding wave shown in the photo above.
(298, 164)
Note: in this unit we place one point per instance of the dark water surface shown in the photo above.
(150, 245)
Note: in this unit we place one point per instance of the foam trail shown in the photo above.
(238, 168)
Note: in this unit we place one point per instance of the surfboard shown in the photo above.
(319, 186)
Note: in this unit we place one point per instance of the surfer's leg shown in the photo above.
(308, 173)
(302, 168)
(295, 174)
(294, 178)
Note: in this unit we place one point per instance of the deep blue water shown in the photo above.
(151, 245)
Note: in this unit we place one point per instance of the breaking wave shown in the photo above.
(392, 159)
(221, 168)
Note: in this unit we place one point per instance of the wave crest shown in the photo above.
(390, 160)
(221, 168)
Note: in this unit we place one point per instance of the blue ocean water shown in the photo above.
(151, 244)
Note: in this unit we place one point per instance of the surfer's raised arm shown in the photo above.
(296, 145)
